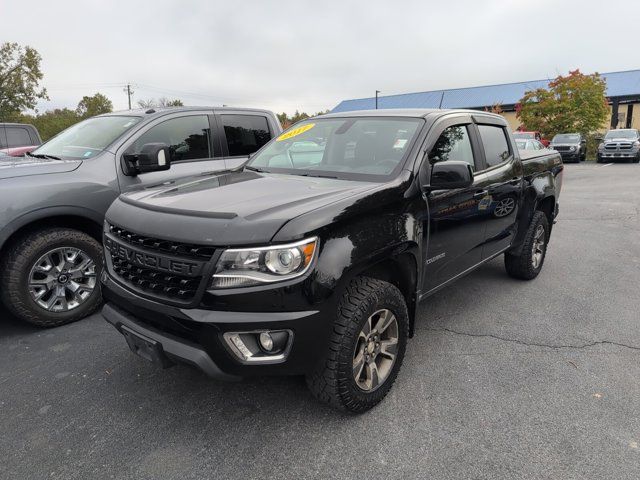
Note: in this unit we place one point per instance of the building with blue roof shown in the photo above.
(623, 94)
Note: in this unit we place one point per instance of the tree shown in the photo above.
(95, 105)
(573, 103)
(161, 102)
(166, 102)
(146, 103)
(20, 76)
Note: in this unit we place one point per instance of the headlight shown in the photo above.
(244, 267)
(600, 146)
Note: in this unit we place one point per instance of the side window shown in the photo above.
(245, 133)
(188, 137)
(453, 144)
(494, 141)
(17, 137)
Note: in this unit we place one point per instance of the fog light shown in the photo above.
(266, 342)
(260, 346)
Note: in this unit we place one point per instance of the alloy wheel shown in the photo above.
(62, 279)
(537, 249)
(376, 350)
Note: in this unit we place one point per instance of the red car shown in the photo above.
(527, 135)
(16, 139)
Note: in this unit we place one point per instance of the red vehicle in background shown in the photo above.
(16, 139)
(531, 135)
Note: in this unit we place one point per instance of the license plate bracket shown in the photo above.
(146, 347)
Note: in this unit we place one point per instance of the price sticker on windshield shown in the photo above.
(295, 132)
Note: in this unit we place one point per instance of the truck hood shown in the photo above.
(25, 166)
(232, 208)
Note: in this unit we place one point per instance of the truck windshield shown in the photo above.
(87, 138)
(363, 148)
(566, 137)
(630, 134)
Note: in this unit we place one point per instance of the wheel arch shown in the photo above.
(401, 270)
(77, 218)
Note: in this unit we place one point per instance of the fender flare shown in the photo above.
(47, 212)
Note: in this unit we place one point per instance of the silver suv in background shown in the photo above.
(621, 144)
(54, 199)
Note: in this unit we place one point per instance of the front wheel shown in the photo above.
(528, 263)
(366, 348)
(51, 277)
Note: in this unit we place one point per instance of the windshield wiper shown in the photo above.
(255, 169)
(315, 175)
(42, 155)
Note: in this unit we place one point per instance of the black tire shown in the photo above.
(637, 159)
(599, 159)
(333, 380)
(522, 266)
(16, 265)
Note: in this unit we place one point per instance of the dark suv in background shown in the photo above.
(622, 144)
(572, 147)
(54, 199)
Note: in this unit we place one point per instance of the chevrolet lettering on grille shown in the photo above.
(149, 260)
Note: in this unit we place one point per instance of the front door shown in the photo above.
(191, 137)
(457, 218)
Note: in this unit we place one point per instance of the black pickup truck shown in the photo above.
(313, 257)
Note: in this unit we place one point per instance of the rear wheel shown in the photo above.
(528, 263)
(51, 277)
(366, 348)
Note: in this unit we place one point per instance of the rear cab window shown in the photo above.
(245, 134)
(14, 137)
(495, 144)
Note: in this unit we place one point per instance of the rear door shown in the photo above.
(193, 141)
(457, 218)
(241, 134)
(503, 184)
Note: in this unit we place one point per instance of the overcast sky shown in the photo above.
(310, 55)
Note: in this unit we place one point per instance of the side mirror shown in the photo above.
(153, 157)
(449, 175)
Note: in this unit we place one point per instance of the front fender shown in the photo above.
(47, 212)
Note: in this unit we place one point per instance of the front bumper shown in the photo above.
(196, 336)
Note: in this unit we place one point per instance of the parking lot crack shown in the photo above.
(534, 344)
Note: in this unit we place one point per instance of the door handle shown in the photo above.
(480, 194)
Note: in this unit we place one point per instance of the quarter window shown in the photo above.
(494, 141)
(188, 137)
(245, 133)
(453, 144)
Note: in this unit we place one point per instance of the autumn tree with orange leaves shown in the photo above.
(572, 103)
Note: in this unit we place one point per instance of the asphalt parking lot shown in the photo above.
(504, 379)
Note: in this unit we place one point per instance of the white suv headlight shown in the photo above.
(244, 267)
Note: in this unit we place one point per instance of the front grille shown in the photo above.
(163, 268)
(625, 146)
(152, 281)
(167, 246)
(610, 146)
(562, 148)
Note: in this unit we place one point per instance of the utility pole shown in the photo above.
(377, 92)
(129, 93)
